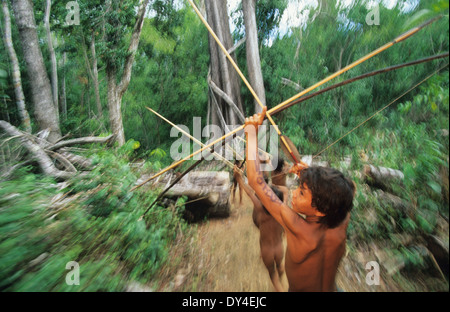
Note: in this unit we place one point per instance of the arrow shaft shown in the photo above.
(190, 136)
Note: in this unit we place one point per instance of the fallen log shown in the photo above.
(44, 161)
(382, 173)
(43, 151)
(80, 161)
(211, 188)
(381, 177)
(311, 161)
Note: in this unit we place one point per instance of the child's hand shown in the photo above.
(297, 168)
(256, 120)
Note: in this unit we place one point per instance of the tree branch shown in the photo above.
(292, 84)
(237, 45)
(85, 140)
(227, 99)
(134, 43)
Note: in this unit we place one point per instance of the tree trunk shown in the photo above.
(235, 80)
(222, 74)
(95, 78)
(225, 70)
(17, 80)
(253, 59)
(63, 86)
(117, 90)
(214, 71)
(114, 107)
(93, 72)
(44, 108)
(54, 71)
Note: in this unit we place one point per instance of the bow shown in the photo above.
(284, 104)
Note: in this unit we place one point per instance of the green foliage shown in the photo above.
(167, 79)
(3, 76)
(268, 16)
(414, 139)
(99, 228)
(120, 20)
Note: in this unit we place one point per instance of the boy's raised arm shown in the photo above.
(281, 212)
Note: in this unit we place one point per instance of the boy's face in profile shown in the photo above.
(302, 202)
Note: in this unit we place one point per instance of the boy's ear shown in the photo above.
(354, 188)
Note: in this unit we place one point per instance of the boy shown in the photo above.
(270, 233)
(279, 175)
(316, 225)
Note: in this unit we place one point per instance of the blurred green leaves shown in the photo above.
(98, 228)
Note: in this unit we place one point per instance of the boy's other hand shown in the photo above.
(297, 168)
(256, 120)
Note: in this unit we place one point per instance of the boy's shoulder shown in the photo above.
(338, 233)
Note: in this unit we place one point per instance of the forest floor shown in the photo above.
(223, 255)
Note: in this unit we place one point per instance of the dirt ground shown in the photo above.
(223, 255)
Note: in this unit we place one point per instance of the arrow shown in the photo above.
(191, 137)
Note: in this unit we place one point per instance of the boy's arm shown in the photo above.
(285, 216)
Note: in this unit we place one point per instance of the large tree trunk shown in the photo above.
(114, 107)
(252, 49)
(117, 90)
(224, 78)
(44, 108)
(17, 80)
(51, 50)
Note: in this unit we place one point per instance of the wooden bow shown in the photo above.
(280, 107)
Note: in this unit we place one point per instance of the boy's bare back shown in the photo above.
(317, 270)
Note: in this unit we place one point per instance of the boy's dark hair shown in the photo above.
(332, 193)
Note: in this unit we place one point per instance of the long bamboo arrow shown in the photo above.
(231, 165)
(282, 105)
